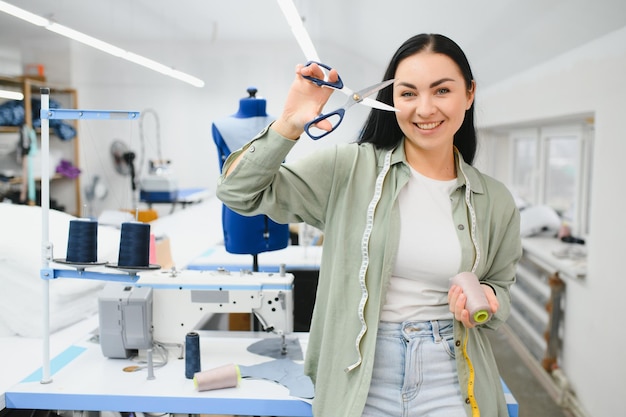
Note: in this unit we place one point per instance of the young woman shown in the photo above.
(402, 211)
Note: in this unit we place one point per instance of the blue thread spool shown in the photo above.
(82, 241)
(192, 354)
(134, 245)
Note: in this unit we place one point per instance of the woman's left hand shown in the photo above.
(457, 300)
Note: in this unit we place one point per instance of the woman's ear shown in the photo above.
(470, 95)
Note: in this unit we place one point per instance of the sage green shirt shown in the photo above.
(333, 190)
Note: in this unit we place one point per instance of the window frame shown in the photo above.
(504, 139)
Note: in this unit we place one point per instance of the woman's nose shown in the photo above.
(425, 106)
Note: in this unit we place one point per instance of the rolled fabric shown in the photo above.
(476, 303)
(225, 376)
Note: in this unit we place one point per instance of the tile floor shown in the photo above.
(524, 380)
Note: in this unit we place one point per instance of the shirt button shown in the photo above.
(251, 149)
(457, 343)
(460, 227)
(467, 401)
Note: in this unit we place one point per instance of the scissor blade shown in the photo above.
(378, 104)
(364, 93)
(368, 91)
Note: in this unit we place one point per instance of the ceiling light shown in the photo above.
(23, 14)
(11, 95)
(299, 31)
(98, 44)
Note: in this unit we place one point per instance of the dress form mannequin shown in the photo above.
(242, 234)
(233, 132)
(251, 106)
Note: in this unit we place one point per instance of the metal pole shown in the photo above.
(46, 246)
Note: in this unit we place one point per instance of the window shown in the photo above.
(549, 165)
(562, 166)
(524, 175)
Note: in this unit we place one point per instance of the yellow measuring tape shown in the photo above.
(472, 377)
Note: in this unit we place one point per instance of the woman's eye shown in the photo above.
(442, 91)
(407, 94)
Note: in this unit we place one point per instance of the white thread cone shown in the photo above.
(476, 303)
(226, 376)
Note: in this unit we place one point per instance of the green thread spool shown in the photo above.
(481, 316)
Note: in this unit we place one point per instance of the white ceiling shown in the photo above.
(501, 37)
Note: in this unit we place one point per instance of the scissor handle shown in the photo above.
(307, 127)
(337, 84)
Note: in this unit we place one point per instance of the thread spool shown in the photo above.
(192, 354)
(476, 303)
(134, 245)
(82, 241)
(226, 376)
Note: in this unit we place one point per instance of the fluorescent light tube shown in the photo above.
(23, 14)
(163, 69)
(299, 31)
(98, 44)
(11, 95)
(85, 39)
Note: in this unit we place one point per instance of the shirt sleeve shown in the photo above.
(263, 184)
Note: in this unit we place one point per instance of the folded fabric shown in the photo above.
(273, 347)
(285, 372)
(12, 114)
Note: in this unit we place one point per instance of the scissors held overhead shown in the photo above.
(336, 116)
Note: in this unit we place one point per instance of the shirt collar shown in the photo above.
(472, 174)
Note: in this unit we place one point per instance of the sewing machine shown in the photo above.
(158, 189)
(180, 301)
(159, 185)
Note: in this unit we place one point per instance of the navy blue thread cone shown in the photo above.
(82, 241)
(134, 245)
(192, 354)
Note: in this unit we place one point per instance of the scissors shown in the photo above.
(336, 116)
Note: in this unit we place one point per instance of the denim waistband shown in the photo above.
(410, 329)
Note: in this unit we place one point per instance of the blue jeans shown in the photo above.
(415, 372)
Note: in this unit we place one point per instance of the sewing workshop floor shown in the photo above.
(526, 386)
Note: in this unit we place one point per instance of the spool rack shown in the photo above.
(48, 273)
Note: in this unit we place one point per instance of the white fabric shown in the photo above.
(539, 220)
(429, 252)
(21, 289)
(191, 230)
(5, 330)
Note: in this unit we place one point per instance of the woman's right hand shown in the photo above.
(305, 102)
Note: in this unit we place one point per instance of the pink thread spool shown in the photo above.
(152, 256)
(226, 376)
(476, 303)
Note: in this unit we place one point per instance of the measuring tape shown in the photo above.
(369, 225)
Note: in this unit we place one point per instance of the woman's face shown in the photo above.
(430, 92)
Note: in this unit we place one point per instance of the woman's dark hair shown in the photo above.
(381, 127)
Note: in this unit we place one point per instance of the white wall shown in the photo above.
(590, 79)
(186, 113)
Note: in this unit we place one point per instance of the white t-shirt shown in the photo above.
(429, 253)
